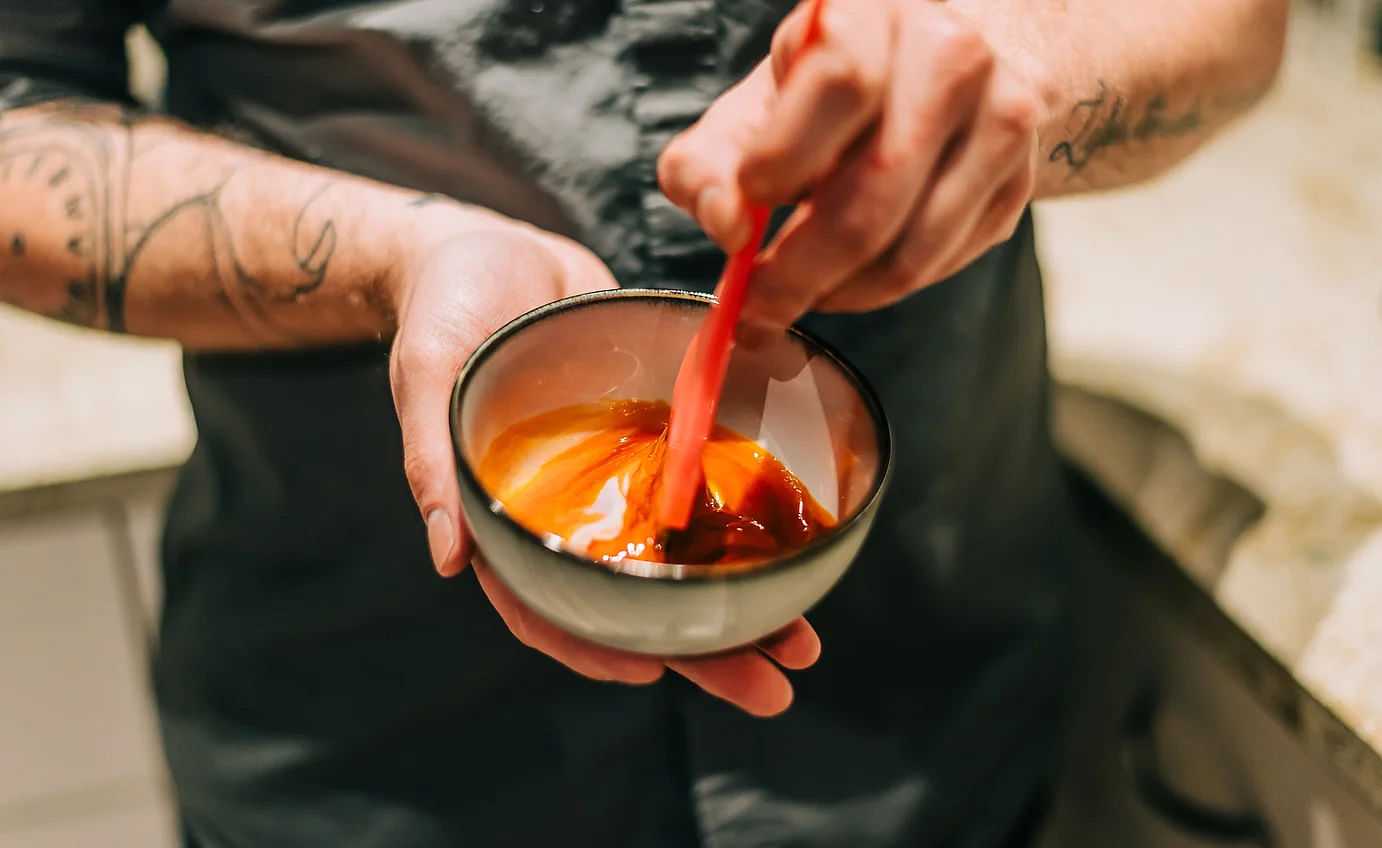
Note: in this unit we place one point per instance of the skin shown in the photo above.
(915, 133)
(918, 132)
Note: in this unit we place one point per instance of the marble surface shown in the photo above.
(76, 404)
(1240, 299)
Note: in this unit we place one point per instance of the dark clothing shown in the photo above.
(319, 686)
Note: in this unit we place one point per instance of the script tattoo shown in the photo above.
(1106, 120)
(427, 199)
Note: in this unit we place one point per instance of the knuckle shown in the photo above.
(858, 226)
(850, 81)
(763, 161)
(962, 52)
(1015, 116)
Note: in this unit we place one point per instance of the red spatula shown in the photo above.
(702, 376)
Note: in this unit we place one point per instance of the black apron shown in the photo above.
(318, 685)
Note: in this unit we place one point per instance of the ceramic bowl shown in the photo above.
(794, 396)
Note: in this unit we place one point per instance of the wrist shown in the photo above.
(418, 227)
(425, 229)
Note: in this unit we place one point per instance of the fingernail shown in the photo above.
(440, 539)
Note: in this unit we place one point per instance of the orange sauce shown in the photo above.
(588, 474)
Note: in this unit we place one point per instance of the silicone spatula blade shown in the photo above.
(696, 394)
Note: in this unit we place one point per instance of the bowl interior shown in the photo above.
(793, 396)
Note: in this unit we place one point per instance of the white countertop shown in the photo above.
(76, 404)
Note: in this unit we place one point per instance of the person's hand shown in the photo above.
(747, 677)
(910, 143)
(462, 276)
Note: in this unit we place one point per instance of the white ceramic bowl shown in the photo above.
(794, 396)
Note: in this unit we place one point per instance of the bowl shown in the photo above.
(794, 396)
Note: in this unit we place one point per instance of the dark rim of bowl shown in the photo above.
(677, 571)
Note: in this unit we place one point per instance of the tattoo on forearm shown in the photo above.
(427, 199)
(1106, 120)
(72, 166)
(312, 252)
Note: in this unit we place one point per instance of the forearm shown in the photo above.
(147, 226)
(1132, 88)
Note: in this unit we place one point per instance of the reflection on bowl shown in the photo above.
(794, 397)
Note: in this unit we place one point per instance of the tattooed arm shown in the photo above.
(1131, 89)
(144, 225)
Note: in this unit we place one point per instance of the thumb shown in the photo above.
(463, 292)
(421, 371)
(454, 301)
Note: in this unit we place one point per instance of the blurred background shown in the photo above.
(1218, 338)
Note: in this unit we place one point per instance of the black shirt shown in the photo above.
(318, 685)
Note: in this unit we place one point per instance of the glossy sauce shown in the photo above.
(588, 474)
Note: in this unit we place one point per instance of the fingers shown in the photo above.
(796, 646)
(1005, 210)
(743, 677)
(582, 657)
(997, 224)
(746, 678)
(698, 175)
(998, 145)
(977, 196)
(698, 169)
(860, 210)
(830, 96)
(910, 141)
